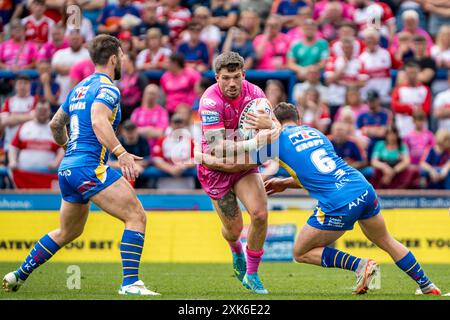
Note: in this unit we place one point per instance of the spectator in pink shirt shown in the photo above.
(178, 83)
(17, 53)
(297, 33)
(57, 41)
(420, 138)
(272, 46)
(150, 118)
(411, 25)
(80, 70)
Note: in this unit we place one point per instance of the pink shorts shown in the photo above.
(217, 184)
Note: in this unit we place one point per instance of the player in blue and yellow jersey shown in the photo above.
(92, 110)
(344, 197)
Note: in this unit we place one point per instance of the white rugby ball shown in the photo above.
(253, 106)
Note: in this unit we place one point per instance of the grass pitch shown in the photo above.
(285, 281)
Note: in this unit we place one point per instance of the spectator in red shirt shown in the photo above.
(154, 56)
(409, 97)
(346, 29)
(33, 147)
(176, 17)
(37, 25)
(173, 154)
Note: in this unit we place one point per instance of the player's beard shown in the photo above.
(236, 94)
(117, 72)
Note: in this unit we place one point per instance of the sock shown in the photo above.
(412, 268)
(42, 251)
(236, 247)
(130, 250)
(333, 258)
(253, 260)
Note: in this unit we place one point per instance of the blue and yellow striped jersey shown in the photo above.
(83, 148)
(310, 158)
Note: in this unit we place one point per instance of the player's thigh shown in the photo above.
(310, 238)
(250, 191)
(229, 212)
(73, 216)
(119, 200)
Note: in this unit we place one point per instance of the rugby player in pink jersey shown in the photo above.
(220, 109)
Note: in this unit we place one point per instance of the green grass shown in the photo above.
(216, 281)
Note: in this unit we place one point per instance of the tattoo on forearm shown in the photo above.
(58, 125)
(228, 205)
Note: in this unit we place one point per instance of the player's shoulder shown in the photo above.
(252, 89)
(211, 98)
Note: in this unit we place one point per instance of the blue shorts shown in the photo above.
(343, 218)
(79, 184)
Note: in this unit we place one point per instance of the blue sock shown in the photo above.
(333, 258)
(130, 250)
(42, 251)
(412, 268)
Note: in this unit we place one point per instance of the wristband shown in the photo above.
(250, 145)
(118, 150)
(118, 157)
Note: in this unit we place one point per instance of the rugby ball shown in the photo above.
(253, 106)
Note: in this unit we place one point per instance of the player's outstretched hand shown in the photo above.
(260, 120)
(274, 185)
(127, 163)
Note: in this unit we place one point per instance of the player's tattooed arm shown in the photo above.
(58, 125)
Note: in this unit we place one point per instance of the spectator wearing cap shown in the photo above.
(391, 163)
(37, 25)
(149, 21)
(134, 144)
(58, 41)
(312, 80)
(195, 51)
(441, 108)
(33, 147)
(310, 51)
(45, 87)
(150, 118)
(420, 138)
(173, 154)
(112, 14)
(155, 56)
(272, 46)
(436, 162)
(411, 25)
(287, 10)
(17, 109)
(17, 53)
(64, 59)
(178, 83)
(224, 14)
(346, 146)
(84, 25)
(238, 40)
(409, 97)
(131, 85)
(374, 122)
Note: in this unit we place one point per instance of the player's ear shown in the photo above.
(216, 76)
(243, 74)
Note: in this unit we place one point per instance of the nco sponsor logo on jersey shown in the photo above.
(210, 117)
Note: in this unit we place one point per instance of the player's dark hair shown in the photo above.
(286, 112)
(102, 48)
(231, 61)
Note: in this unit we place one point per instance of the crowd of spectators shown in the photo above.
(373, 75)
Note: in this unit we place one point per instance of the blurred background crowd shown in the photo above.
(373, 75)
